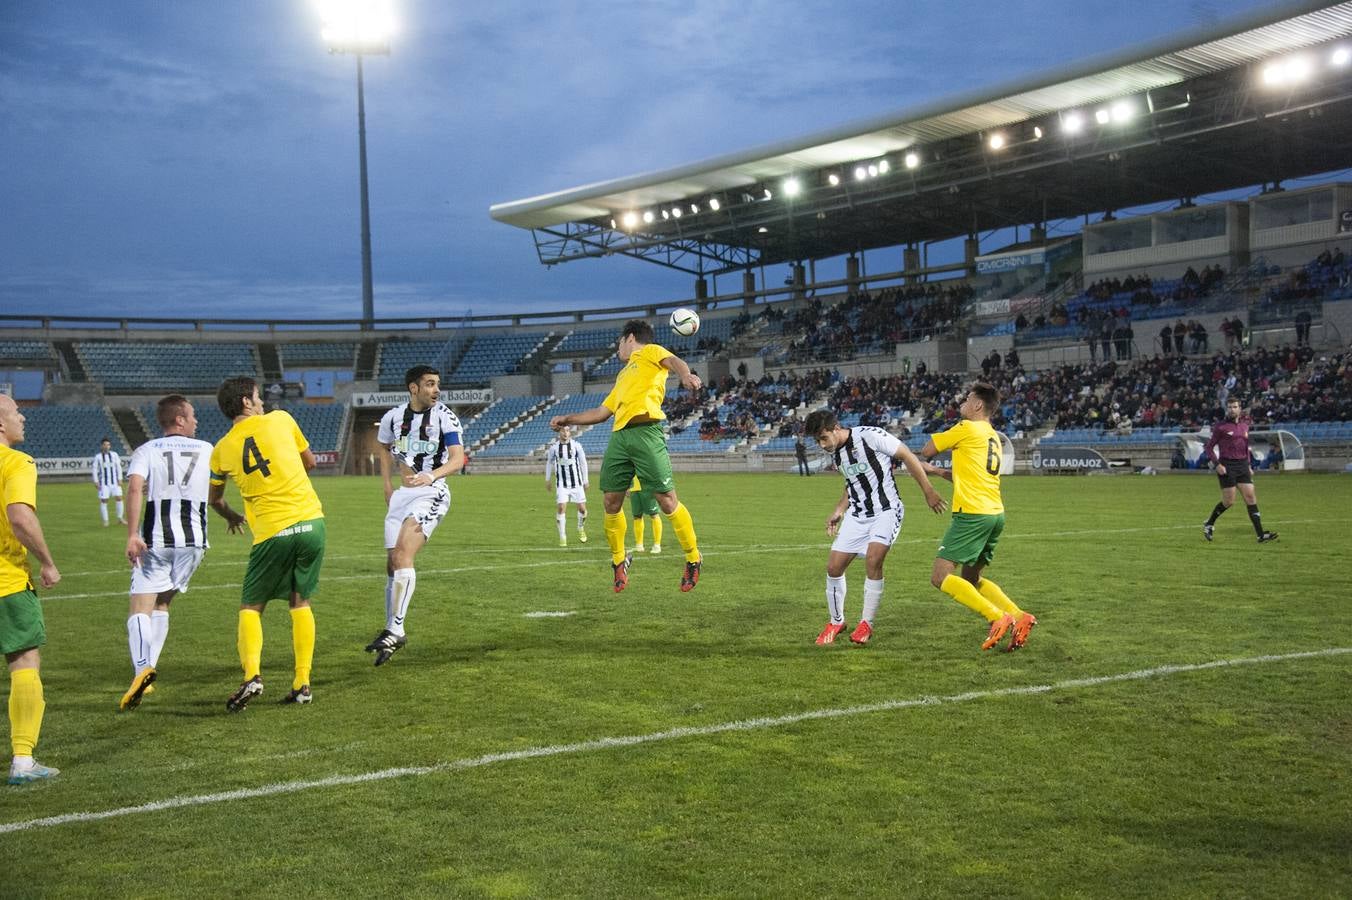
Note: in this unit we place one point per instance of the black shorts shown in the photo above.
(1237, 471)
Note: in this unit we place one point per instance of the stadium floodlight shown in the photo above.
(648, 216)
(860, 173)
(360, 28)
(675, 212)
(768, 195)
(1122, 111)
(792, 187)
(833, 179)
(1072, 123)
(872, 171)
(912, 159)
(1037, 132)
(613, 226)
(1102, 116)
(884, 166)
(1341, 56)
(714, 204)
(630, 219)
(762, 230)
(665, 215)
(694, 209)
(1289, 71)
(996, 141)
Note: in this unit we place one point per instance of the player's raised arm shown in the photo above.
(917, 470)
(677, 366)
(593, 416)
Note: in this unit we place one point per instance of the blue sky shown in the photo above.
(199, 158)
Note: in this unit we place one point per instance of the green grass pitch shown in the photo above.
(1218, 780)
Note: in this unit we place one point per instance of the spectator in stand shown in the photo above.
(1167, 339)
(1180, 335)
(1303, 325)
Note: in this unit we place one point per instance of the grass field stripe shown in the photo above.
(607, 743)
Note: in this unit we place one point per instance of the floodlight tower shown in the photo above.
(362, 28)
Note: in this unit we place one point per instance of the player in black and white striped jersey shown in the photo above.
(167, 540)
(566, 470)
(424, 439)
(107, 474)
(864, 455)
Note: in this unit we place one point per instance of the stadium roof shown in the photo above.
(1254, 100)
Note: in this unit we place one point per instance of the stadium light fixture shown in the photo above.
(996, 141)
(912, 159)
(714, 204)
(362, 28)
(1037, 132)
(613, 226)
(1122, 111)
(665, 215)
(768, 195)
(675, 212)
(762, 230)
(1289, 71)
(884, 166)
(860, 173)
(833, 179)
(694, 209)
(872, 171)
(1072, 123)
(648, 216)
(792, 187)
(1340, 57)
(1102, 116)
(630, 219)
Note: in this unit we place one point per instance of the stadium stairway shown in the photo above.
(269, 361)
(368, 358)
(130, 424)
(70, 361)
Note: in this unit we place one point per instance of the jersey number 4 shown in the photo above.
(253, 459)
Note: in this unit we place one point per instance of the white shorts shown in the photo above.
(855, 535)
(570, 495)
(425, 504)
(108, 491)
(165, 569)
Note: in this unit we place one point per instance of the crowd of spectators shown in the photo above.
(877, 322)
(746, 408)
(1311, 282)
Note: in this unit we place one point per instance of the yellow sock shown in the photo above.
(961, 590)
(684, 527)
(615, 528)
(250, 642)
(991, 591)
(25, 710)
(302, 643)
(657, 530)
(638, 531)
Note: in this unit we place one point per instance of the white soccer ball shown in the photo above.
(685, 322)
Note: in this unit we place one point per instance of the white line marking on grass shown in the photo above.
(607, 743)
(548, 614)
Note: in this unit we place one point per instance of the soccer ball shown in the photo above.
(685, 322)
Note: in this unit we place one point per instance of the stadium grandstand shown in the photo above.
(1107, 320)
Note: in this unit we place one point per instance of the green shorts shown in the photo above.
(642, 503)
(21, 625)
(637, 450)
(286, 563)
(971, 538)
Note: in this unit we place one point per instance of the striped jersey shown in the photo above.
(107, 469)
(418, 439)
(865, 459)
(566, 463)
(177, 472)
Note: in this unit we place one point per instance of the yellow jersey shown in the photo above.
(640, 387)
(18, 484)
(262, 455)
(976, 466)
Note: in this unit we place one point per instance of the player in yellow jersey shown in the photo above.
(637, 447)
(22, 630)
(643, 503)
(978, 519)
(269, 460)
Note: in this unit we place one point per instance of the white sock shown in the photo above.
(140, 637)
(581, 521)
(389, 601)
(20, 764)
(835, 598)
(159, 631)
(560, 519)
(121, 513)
(873, 595)
(103, 511)
(404, 582)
